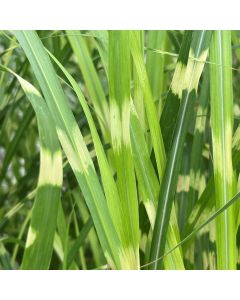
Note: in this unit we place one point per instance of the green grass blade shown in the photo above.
(40, 237)
(149, 189)
(172, 103)
(217, 213)
(150, 108)
(206, 200)
(91, 78)
(110, 188)
(138, 98)
(198, 143)
(120, 102)
(79, 241)
(183, 185)
(146, 175)
(101, 42)
(222, 122)
(149, 186)
(72, 142)
(39, 245)
(92, 236)
(199, 50)
(155, 63)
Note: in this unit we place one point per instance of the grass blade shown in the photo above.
(72, 143)
(222, 122)
(198, 143)
(171, 107)
(158, 146)
(155, 64)
(150, 108)
(39, 245)
(110, 188)
(40, 237)
(199, 50)
(120, 102)
(217, 213)
(91, 78)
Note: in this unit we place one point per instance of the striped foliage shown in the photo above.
(39, 243)
(120, 104)
(148, 189)
(170, 111)
(72, 143)
(222, 122)
(198, 51)
(90, 76)
(119, 149)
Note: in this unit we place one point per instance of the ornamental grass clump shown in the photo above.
(119, 150)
